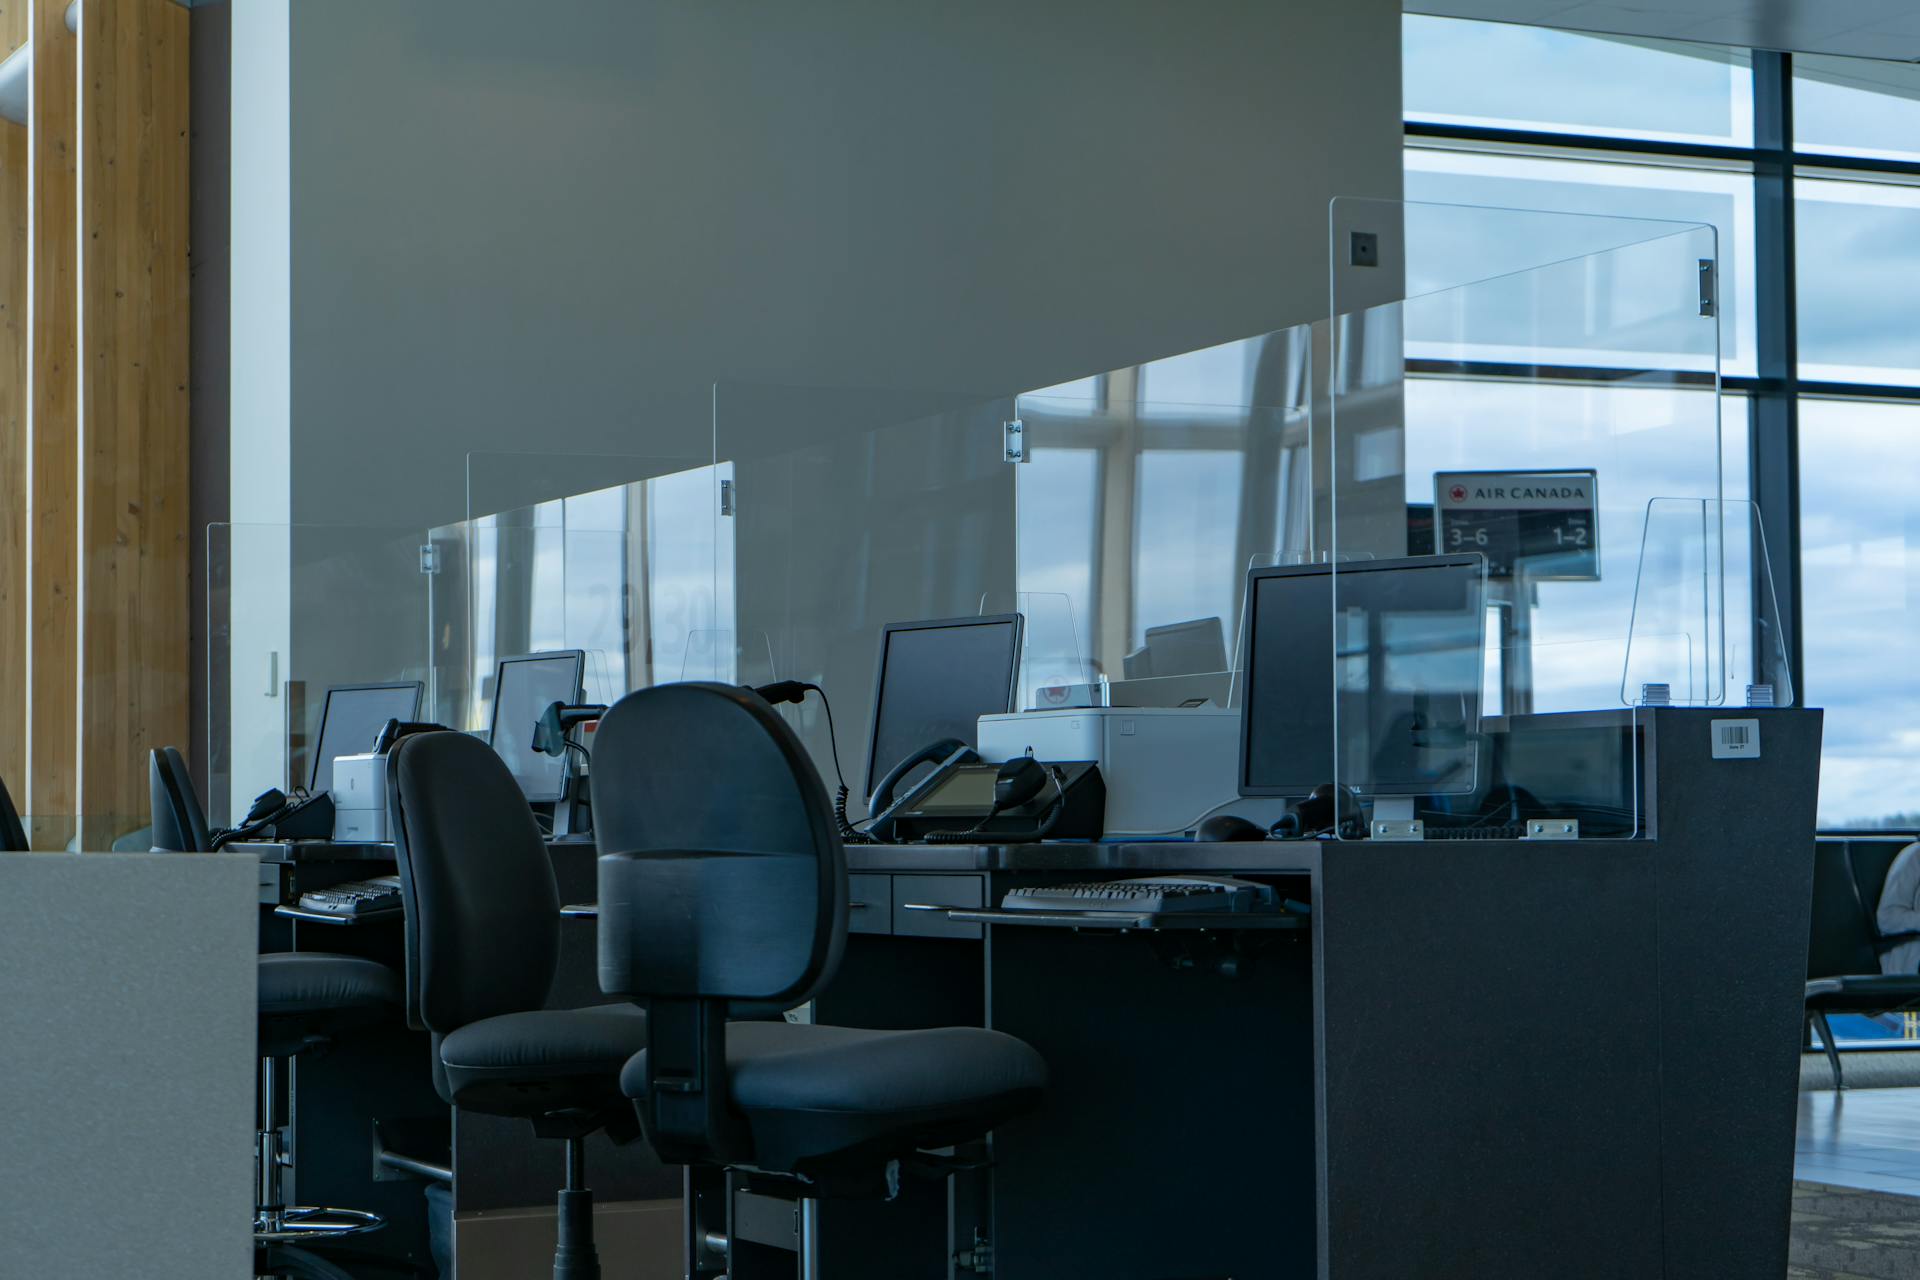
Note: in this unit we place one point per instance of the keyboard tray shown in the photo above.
(1214, 921)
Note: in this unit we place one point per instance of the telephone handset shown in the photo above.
(944, 754)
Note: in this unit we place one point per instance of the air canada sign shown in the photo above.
(1540, 525)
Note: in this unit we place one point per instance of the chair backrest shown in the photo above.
(1872, 858)
(1841, 940)
(735, 883)
(482, 910)
(13, 836)
(179, 824)
(722, 880)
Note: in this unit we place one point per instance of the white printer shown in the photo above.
(1166, 769)
(360, 799)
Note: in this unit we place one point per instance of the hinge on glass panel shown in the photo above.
(1707, 290)
(1014, 434)
(979, 1258)
(1553, 828)
(429, 559)
(726, 497)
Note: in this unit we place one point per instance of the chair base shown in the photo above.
(308, 1224)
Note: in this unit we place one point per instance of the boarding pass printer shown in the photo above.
(1166, 769)
(360, 798)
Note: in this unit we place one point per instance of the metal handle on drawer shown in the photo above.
(856, 906)
(931, 906)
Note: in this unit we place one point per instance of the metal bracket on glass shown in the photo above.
(1014, 436)
(1708, 288)
(1553, 828)
(726, 497)
(1393, 820)
(429, 559)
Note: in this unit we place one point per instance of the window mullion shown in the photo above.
(1774, 434)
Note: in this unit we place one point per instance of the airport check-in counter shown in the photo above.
(1493, 1038)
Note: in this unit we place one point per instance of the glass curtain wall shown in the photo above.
(1819, 333)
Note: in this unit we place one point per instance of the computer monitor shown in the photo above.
(936, 679)
(351, 716)
(523, 687)
(1191, 648)
(1408, 669)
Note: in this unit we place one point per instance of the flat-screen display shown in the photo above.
(523, 688)
(350, 718)
(1402, 658)
(1191, 648)
(936, 679)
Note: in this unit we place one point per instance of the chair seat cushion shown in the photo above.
(1866, 992)
(307, 997)
(814, 1095)
(525, 1064)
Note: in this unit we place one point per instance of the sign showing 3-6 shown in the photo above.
(1542, 520)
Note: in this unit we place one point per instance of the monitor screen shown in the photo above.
(522, 690)
(936, 680)
(1409, 665)
(1186, 648)
(351, 717)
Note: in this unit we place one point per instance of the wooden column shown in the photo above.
(13, 429)
(136, 555)
(53, 425)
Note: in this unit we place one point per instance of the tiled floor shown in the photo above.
(1863, 1138)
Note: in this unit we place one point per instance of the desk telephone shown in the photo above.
(964, 800)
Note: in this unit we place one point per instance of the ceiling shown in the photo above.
(1888, 29)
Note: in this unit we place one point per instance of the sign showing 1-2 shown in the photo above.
(1542, 520)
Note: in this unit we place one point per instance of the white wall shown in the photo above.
(251, 558)
(552, 227)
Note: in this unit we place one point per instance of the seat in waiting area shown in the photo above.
(13, 837)
(1843, 953)
(723, 879)
(483, 949)
(306, 1000)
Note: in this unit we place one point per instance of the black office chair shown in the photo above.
(1844, 949)
(722, 878)
(483, 946)
(307, 1000)
(13, 836)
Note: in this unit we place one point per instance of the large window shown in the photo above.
(1820, 334)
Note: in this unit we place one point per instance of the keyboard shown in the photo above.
(355, 897)
(1145, 897)
(1497, 831)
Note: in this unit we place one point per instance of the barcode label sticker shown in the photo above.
(1736, 739)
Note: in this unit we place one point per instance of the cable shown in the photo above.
(794, 691)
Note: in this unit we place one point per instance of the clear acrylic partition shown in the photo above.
(850, 509)
(1704, 572)
(624, 572)
(1508, 393)
(1145, 492)
(291, 610)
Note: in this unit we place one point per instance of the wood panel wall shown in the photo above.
(94, 541)
(13, 457)
(133, 338)
(15, 21)
(53, 423)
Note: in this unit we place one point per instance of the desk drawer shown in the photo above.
(920, 902)
(869, 904)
